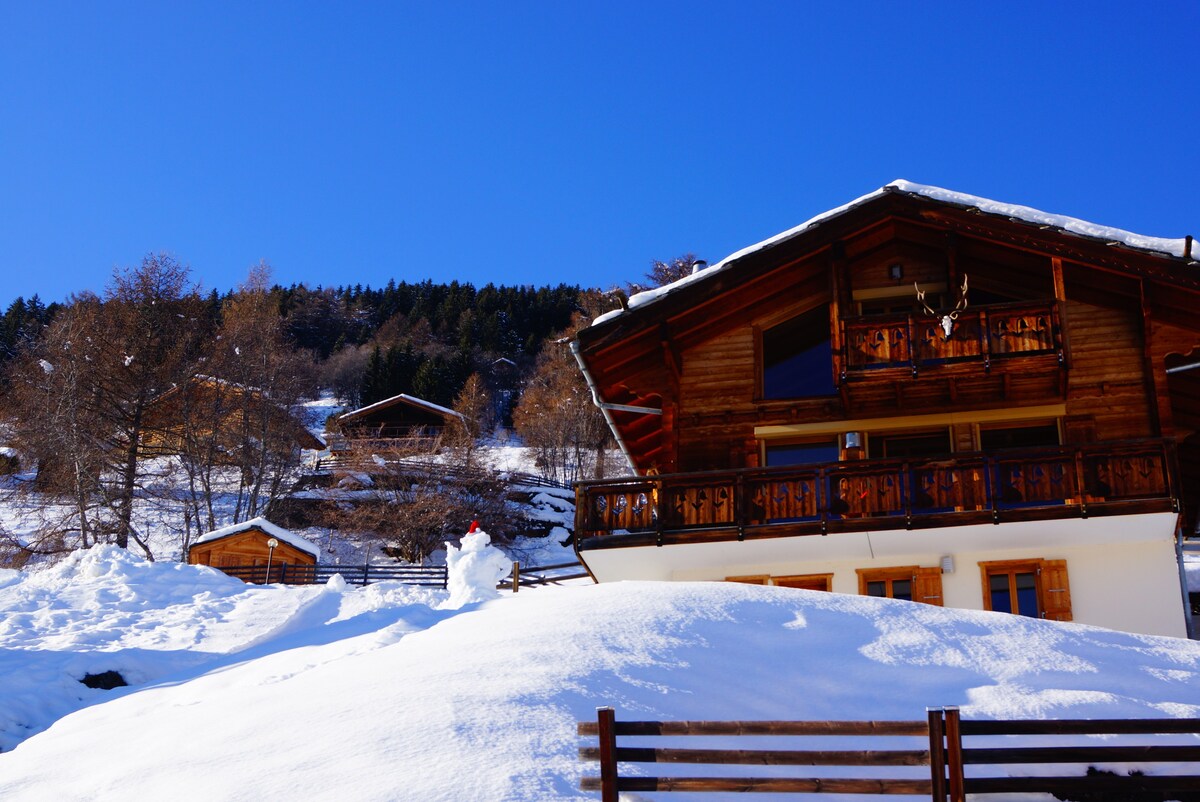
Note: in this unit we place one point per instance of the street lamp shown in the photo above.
(272, 544)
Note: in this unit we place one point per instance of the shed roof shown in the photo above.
(402, 398)
(266, 526)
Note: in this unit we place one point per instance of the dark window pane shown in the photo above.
(802, 454)
(1019, 437)
(798, 358)
(930, 444)
(1027, 602)
(877, 589)
(998, 586)
(902, 589)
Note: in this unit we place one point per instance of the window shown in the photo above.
(1024, 435)
(909, 444)
(908, 582)
(757, 579)
(1035, 588)
(797, 357)
(804, 581)
(799, 581)
(809, 453)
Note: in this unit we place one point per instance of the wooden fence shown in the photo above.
(531, 575)
(940, 749)
(433, 576)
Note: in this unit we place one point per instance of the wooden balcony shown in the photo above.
(981, 335)
(962, 489)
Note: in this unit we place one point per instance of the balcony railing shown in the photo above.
(980, 334)
(1018, 484)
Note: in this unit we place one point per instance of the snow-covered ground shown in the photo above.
(385, 693)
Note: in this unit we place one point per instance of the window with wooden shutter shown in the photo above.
(804, 581)
(799, 581)
(1035, 588)
(908, 582)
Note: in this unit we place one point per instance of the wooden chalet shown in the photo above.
(246, 546)
(216, 406)
(1017, 432)
(401, 417)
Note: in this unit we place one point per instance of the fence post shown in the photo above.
(954, 762)
(366, 572)
(606, 718)
(937, 753)
(516, 576)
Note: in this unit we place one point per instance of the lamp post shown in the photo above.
(272, 544)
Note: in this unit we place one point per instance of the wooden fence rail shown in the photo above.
(530, 575)
(943, 732)
(283, 573)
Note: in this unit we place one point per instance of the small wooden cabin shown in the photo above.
(922, 395)
(246, 546)
(399, 417)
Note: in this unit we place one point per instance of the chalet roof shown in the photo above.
(304, 438)
(1159, 246)
(266, 526)
(403, 398)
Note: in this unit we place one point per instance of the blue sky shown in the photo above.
(535, 143)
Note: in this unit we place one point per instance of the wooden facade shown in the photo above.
(802, 388)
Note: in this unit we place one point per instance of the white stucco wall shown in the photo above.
(1123, 574)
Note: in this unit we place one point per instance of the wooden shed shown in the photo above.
(244, 550)
(397, 417)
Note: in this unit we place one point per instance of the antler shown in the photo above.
(962, 302)
(921, 298)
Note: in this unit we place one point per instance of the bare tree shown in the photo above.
(241, 435)
(99, 367)
(411, 507)
(663, 273)
(556, 416)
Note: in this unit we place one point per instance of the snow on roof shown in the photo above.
(411, 399)
(1161, 245)
(271, 529)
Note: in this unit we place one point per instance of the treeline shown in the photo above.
(422, 338)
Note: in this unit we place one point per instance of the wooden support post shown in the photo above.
(937, 753)
(954, 757)
(606, 719)
(516, 576)
(366, 573)
(1060, 299)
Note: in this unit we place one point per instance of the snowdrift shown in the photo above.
(381, 694)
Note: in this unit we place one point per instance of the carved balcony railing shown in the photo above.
(964, 488)
(980, 334)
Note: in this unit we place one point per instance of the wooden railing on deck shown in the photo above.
(891, 493)
(980, 333)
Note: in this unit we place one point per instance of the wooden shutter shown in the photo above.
(1055, 591)
(927, 586)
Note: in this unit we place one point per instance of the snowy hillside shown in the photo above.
(383, 693)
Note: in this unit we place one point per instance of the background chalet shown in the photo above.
(1022, 437)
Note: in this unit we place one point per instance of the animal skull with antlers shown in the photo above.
(946, 320)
